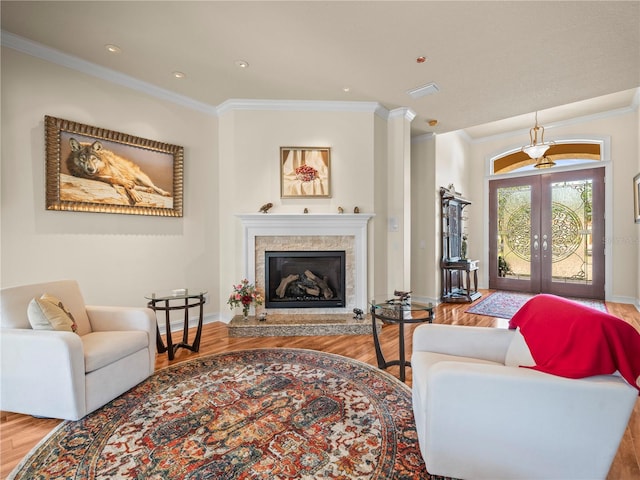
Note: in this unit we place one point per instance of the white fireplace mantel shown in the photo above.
(293, 224)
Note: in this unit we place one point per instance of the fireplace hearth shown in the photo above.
(305, 279)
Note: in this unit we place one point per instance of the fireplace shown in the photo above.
(305, 279)
(309, 232)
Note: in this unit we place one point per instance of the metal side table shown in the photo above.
(182, 300)
(397, 313)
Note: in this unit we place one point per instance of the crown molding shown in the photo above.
(524, 132)
(425, 137)
(405, 112)
(239, 104)
(636, 99)
(57, 57)
(465, 136)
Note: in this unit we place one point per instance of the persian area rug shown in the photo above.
(252, 414)
(506, 304)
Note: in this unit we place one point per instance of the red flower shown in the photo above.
(306, 173)
(245, 294)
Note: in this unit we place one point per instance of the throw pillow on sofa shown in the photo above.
(49, 313)
(518, 354)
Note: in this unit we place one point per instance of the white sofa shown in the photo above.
(62, 374)
(478, 418)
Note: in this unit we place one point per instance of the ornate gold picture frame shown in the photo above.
(305, 172)
(91, 169)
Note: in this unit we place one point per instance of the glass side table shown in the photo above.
(398, 313)
(183, 299)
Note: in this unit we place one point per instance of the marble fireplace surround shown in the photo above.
(312, 232)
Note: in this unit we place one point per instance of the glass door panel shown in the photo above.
(548, 233)
(514, 232)
(513, 260)
(573, 221)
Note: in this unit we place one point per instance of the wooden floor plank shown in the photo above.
(20, 433)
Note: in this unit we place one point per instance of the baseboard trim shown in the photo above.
(178, 323)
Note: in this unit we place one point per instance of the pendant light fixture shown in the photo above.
(538, 147)
(544, 162)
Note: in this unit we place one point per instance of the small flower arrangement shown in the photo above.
(245, 294)
(305, 173)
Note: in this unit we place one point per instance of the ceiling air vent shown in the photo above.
(424, 90)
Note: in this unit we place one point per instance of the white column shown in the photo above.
(399, 200)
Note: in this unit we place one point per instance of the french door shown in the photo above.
(547, 233)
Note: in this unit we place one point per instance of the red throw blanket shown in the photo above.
(574, 341)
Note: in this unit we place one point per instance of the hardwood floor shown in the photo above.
(20, 433)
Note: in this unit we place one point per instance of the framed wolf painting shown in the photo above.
(90, 169)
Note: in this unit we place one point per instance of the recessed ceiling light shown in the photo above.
(177, 74)
(432, 122)
(427, 89)
(112, 48)
(346, 89)
(242, 64)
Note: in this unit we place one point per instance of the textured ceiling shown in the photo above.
(491, 60)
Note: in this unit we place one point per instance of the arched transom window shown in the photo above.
(562, 154)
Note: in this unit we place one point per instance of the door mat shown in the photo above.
(506, 304)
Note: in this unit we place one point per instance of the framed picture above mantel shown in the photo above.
(91, 169)
(305, 172)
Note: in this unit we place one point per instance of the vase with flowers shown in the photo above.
(244, 295)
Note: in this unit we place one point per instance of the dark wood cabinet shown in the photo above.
(457, 271)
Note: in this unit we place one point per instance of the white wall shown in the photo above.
(436, 161)
(637, 232)
(232, 166)
(378, 242)
(452, 158)
(249, 145)
(620, 128)
(425, 220)
(117, 259)
(398, 221)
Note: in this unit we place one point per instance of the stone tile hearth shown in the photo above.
(279, 325)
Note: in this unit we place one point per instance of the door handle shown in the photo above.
(535, 242)
(544, 243)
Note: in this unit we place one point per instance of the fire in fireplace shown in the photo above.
(309, 279)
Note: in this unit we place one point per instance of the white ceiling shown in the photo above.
(492, 61)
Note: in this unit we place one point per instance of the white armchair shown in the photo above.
(478, 418)
(62, 374)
